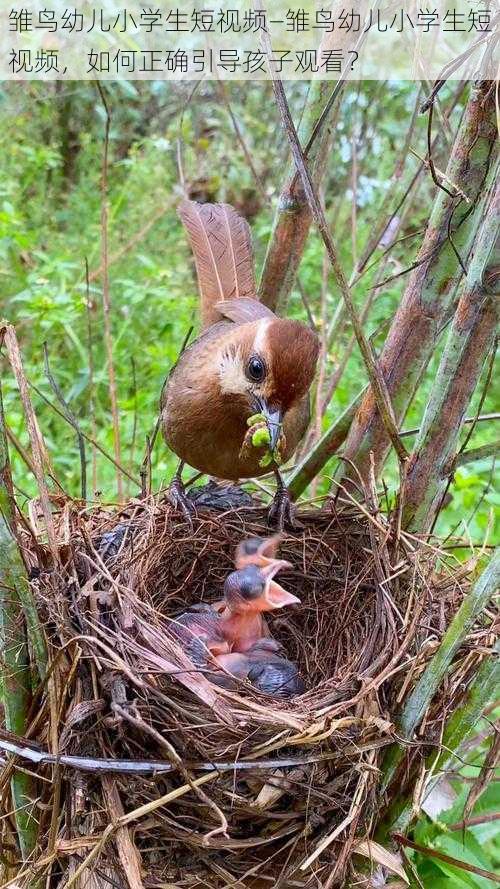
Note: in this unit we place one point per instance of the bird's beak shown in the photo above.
(274, 418)
(269, 547)
(265, 555)
(274, 594)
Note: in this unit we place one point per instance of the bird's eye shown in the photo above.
(256, 369)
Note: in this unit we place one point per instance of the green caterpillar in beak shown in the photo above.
(261, 437)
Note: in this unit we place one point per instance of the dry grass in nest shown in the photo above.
(225, 788)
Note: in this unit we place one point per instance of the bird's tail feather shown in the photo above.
(222, 247)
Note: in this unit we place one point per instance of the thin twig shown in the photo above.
(137, 238)
(305, 302)
(440, 856)
(452, 194)
(88, 438)
(375, 376)
(452, 66)
(222, 90)
(145, 470)
(106, 302)
(71, 419)
(485, 818)
(134, 400)
(492, 449)
(148, 767)
(484, 418)
(443, 176)
(41, 460)
(90, 350)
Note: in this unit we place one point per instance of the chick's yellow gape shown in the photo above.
(237, 402)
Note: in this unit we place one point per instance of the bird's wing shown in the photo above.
(243, 310)
(203, 625)
(212, 333)
(222, 247)
(277, 677)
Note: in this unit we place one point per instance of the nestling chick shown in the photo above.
(248, 593)
(257, 551)
(236, 622)
(264, 666)
(246, 362)
(199, 632)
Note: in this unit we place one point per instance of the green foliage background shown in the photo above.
(165, 138)
(50, 205)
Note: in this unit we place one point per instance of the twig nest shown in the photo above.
(247, 779)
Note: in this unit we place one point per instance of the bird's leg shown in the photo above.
(281, 512)
(177, 495)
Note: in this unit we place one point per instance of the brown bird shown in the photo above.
(246, 361)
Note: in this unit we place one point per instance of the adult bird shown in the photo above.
(247, 361)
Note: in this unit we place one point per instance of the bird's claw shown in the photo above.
(282, 512)
(177, 497)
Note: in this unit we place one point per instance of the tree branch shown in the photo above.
(470, 340)
(376, 379)
(431, 290)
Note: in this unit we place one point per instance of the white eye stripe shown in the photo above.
(260, 341)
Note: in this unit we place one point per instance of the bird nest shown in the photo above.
(175, 781)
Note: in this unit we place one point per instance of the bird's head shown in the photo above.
(257, 551)
(267, 366)
(253, 589)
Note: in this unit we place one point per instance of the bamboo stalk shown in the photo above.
(458, 728)
(320, 453)
(432, 286)
(463, 721)
(15, 676)
(293, 216)
(470, 339)
(418, 701)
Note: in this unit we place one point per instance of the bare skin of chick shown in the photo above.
(237, 622)
(264, 666)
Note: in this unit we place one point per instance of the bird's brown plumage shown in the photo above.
(222, 247)
(210, 393)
